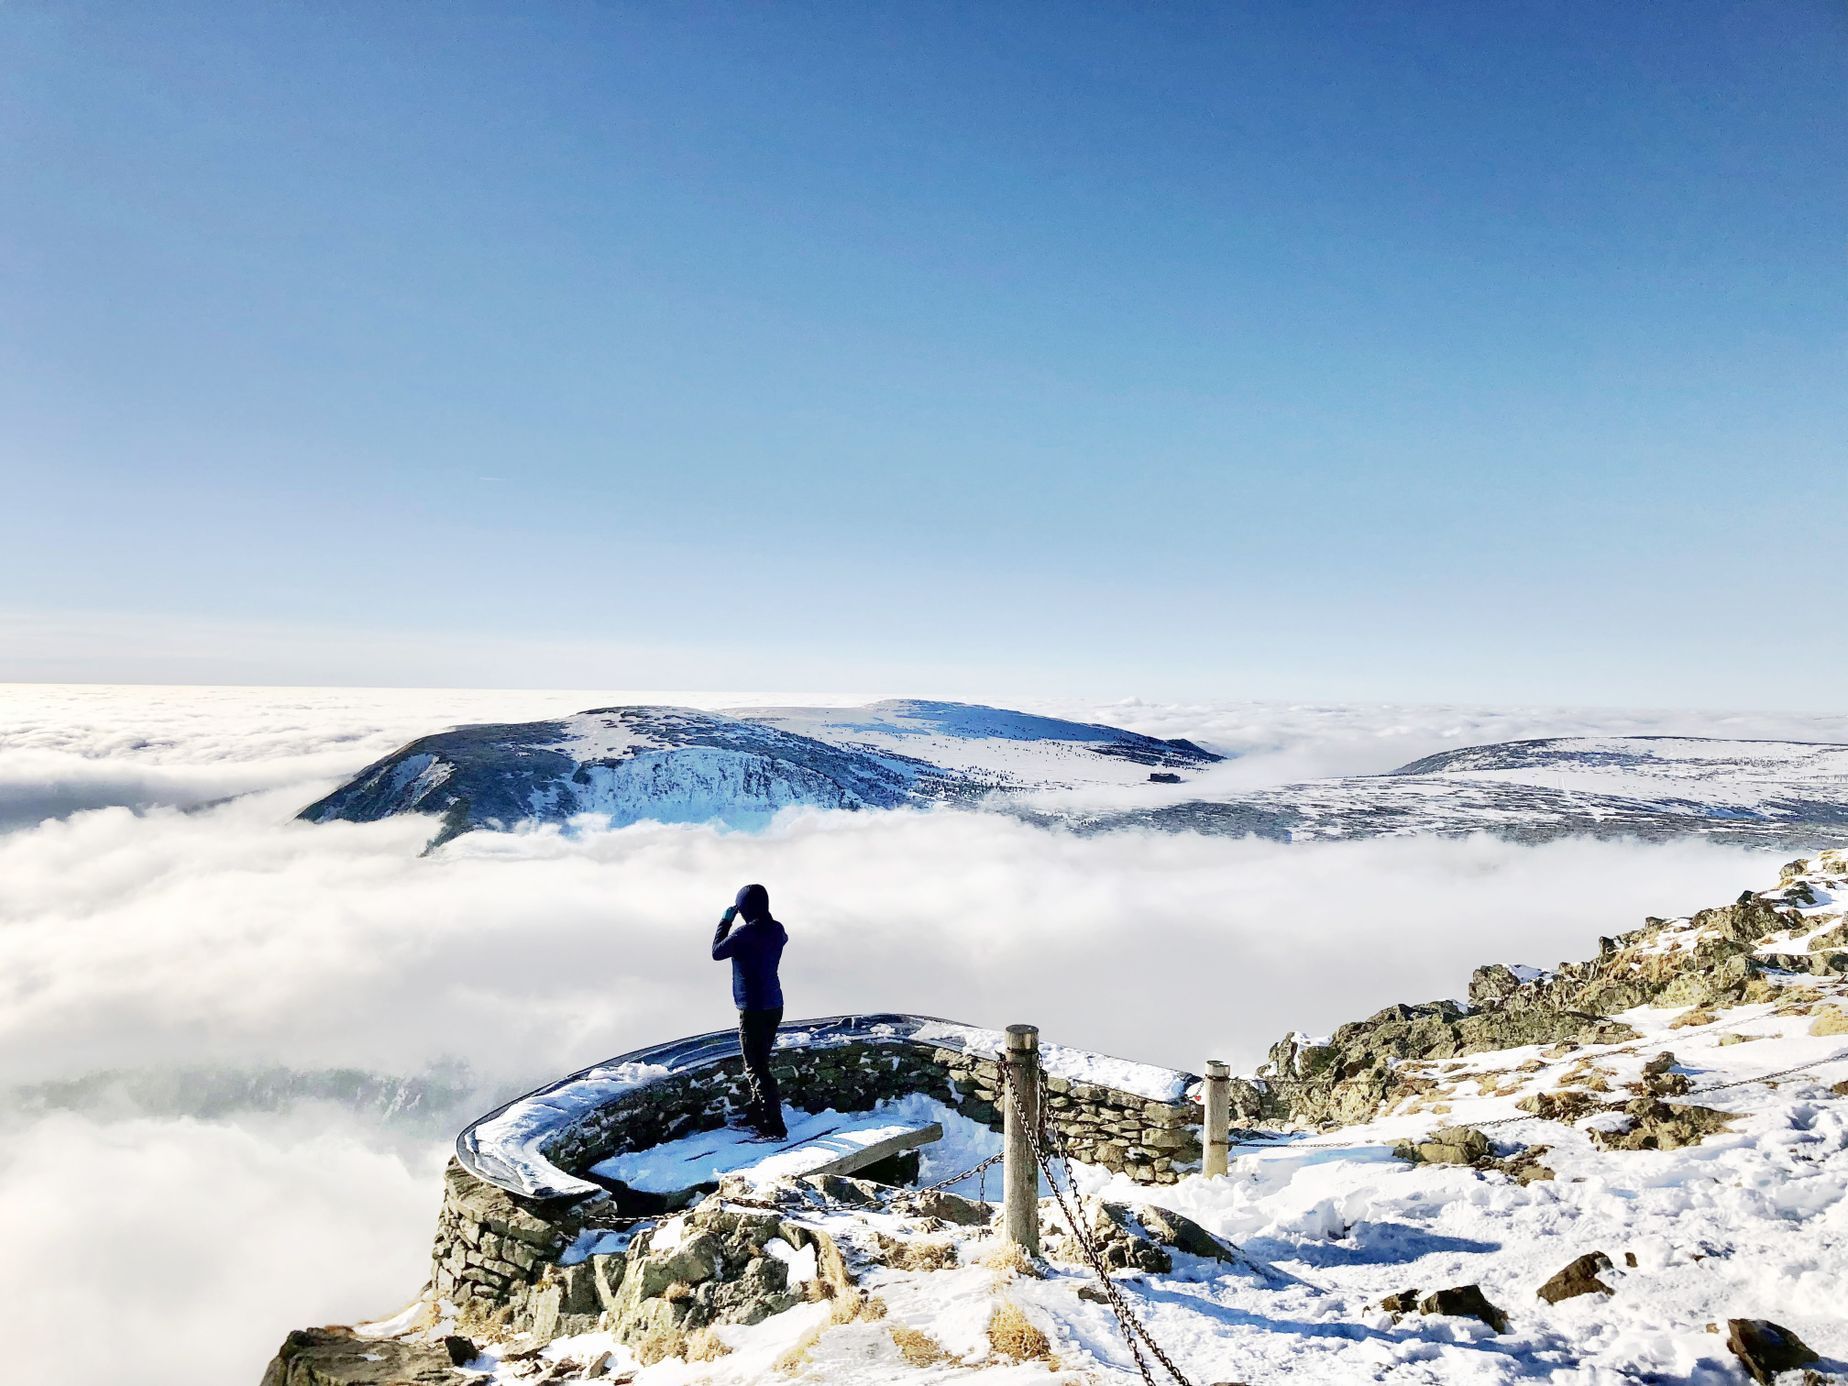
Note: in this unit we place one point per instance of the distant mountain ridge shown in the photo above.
(739, 768)
(1785, 793)
(685, 765)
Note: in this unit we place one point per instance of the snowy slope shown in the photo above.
(990, 745)
(682, 765)
(672, 765)
(1749, 1222)
(1794, 793)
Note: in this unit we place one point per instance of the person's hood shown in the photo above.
(753, 903)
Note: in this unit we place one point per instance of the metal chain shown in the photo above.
(1767, 1077)
(1135, 1333)
(1128, 1323)
(982, 1168)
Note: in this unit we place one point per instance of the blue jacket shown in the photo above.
(755, 948)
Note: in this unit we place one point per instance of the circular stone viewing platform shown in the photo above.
(540, 1203)
(1139, 1119)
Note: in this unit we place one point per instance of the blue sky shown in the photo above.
(1477, 352)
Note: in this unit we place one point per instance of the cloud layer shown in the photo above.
(229, 938)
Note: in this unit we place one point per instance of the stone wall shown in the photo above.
(520, 1264)
(1151, 1141)
(491, 1251)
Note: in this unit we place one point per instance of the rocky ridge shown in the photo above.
(1653, 788)
(1785, 946)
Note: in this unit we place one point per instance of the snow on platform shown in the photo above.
(825, 1143)
(507, 1147)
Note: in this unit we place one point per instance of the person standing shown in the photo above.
(755, 948)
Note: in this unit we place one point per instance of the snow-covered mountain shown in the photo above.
(1787, 792)
(682, 765)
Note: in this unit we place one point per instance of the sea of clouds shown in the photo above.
(233, 1046)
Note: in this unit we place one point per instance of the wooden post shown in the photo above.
(1020, 1221)
(1216, 1131)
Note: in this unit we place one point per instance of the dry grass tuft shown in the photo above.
(1012, 1334)
(917, 1254)
(1830, 1020)
(797, 1357)
(1687, 1019)
(660, 1343)
(916, 1346)
(853, 1306)
(1009, 1259)
(1587, 1075)
(703, 1345)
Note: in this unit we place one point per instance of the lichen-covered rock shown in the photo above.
(1660, 1079)
(1524, 1167)
(948, 1207)
(1358, 1071)
(842, 1188)
(1448, 1145)
(1656, 1125)
(1566, 1105)
(1491, 984)
(341, 1357)
(1708, 961)
(714, 1265)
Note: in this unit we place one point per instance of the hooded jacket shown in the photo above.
(755, 947)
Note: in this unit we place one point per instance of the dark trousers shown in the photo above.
(757, 1037)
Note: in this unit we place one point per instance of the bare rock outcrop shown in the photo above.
(1577, 1277)
(341, 1357)
(1651, 1124)
(1711, 960)
(1766, 1349)
(1460, 1301)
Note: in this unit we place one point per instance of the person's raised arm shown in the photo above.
(724, 942)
